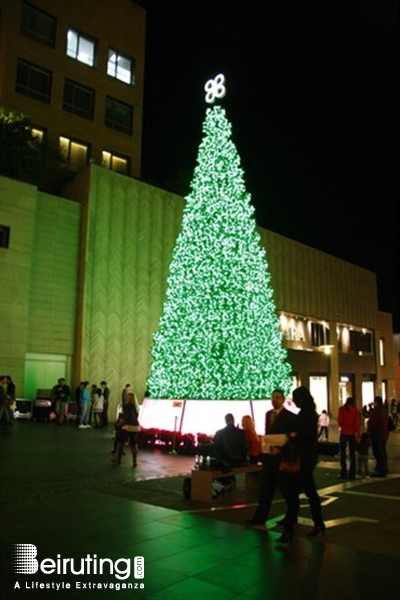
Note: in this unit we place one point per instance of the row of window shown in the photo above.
(318, 335)
(35, 82)
(41, 26)
(77, 154)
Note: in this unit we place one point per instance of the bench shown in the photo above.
(201, 485)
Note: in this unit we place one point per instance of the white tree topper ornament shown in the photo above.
(215, 88)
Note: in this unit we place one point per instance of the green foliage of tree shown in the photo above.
(27, 158)
(219, 334)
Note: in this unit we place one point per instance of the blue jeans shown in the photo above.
(82, 417)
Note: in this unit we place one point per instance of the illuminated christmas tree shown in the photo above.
(219, 332)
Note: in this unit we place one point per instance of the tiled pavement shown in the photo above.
(60, 493)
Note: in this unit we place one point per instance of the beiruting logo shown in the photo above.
(24, 562)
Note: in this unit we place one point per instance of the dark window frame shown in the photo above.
(320, 334)
(76, 92)
(111, 118)
(5, 236)
(24, 84)
(361, 342)
(33, 20)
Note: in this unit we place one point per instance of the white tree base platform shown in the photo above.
(201, 416)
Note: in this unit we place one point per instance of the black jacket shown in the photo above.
(285, 422)
(231, 446)
(307, 435)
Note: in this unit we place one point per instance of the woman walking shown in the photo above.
(306, 440)
(127, 429)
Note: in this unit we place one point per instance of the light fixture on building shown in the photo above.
(327, 348)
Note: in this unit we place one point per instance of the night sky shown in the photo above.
(312, 95)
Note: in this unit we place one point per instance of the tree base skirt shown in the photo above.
(204, 416)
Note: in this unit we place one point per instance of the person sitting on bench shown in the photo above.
(231, 450)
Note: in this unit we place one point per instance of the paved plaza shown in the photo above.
(60, 493)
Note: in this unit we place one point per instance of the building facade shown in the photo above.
(83, 281)
(83, 276)
(79, 78)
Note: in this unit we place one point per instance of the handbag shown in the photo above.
(131, 428)
(290, 466)
(290, 461)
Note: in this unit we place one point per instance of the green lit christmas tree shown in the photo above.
(219, 332)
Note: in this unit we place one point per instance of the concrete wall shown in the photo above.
(130, 235)
(38, 277)
(312, 283)
(17, 210)
(53, 284)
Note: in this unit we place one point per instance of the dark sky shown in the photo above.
(312, 95)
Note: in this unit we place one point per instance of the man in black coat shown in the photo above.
(231, 450)
(277, 420)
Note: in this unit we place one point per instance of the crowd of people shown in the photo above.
(290, 437)
(91, 407)
(234, 446)
(91, 403)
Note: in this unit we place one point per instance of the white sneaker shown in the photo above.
(87, 426)
(81, 426)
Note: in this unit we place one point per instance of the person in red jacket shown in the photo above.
(349, 428)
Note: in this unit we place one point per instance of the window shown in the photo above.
(38, 134)
(118, 115)
(382, 361)
(120, 66)
(76, 153)
(81, 47)
(116, 163)
(38, 138)
(33, 81)
(4, 236)
(38, 24)
(78, 99)
(361, 341)
(319, 335)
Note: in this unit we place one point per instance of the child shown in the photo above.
(362, 448)
(323, 422)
